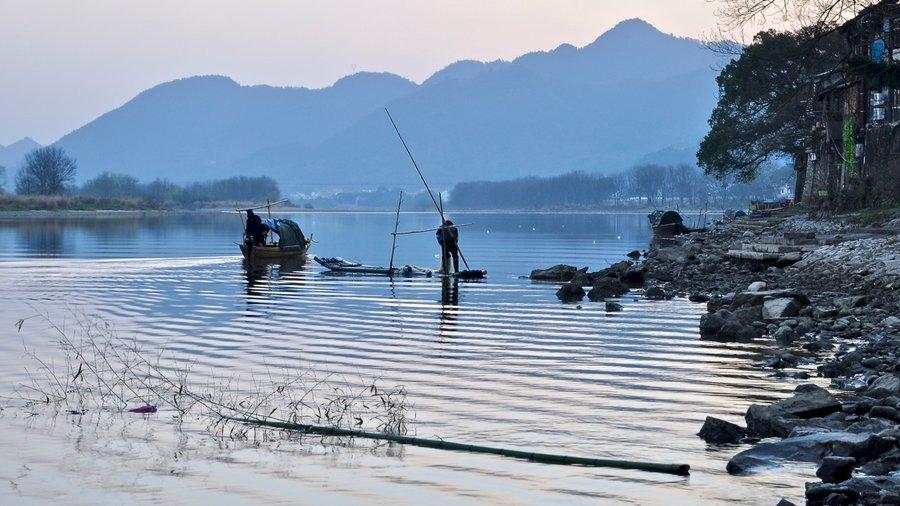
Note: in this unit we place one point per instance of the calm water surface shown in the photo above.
(499, 362)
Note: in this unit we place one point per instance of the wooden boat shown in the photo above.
(271, 253)
(291, 245)
(343, 266)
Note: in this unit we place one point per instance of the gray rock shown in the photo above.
(848, 303)
(748, 315)
(780, 418)
(884, 386)
(605, 288)
(718, 431)
(809, 400)
(784, 335)
(634, 275)
(635, 254)
(698, 297)
(886, 412)
(675, 254)
(782, 307)
(836, 469)
(559, 272)
(613, 307)
(711, 323)
(735, 330)
(821, 312)
(655, 293)
(890, 321)
(807, 448)
(570, 292)
(756, 298)
(785, 502)
(757, 286)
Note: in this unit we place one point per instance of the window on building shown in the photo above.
(895, 105)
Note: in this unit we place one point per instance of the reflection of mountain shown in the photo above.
(632, 91)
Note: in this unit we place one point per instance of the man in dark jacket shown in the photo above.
(448, 238)
(255, 234)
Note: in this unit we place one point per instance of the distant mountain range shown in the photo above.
(633, 92)
(11, 156)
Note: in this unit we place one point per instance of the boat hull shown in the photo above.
(271, 254)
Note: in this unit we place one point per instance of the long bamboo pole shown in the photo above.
(439, 207)
(408, 232)
(267, 204)
(394, 235)
(440, 444)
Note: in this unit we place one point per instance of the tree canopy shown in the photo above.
(46, 171)
(765, 96)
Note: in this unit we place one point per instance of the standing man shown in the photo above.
(448, 237)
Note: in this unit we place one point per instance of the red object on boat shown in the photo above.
(146, 408)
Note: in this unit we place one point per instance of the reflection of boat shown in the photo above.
(341, 265)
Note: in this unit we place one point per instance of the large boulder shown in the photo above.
(726, 325)
(735, 330)
(780, 418)
(806, 448)
(656, 293)
(711, 323)
(743, 299)
(809, 400)
(836, 469)
(718, 431)
(605, 288)
(634, 275)
(559, 272)
(675, 254)
(884, 386)
(570, 292)
(781, 307)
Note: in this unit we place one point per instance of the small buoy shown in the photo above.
(532, 229)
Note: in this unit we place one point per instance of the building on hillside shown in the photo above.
(854, 159)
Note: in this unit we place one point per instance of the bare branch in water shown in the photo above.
(102, 371)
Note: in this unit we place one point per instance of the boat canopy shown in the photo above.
(289, 235)
(670, 218)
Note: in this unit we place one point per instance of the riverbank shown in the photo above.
(824, 293)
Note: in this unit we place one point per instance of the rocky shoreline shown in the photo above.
(827, 292)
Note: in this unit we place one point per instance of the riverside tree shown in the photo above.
(47, 171)
(765, 97)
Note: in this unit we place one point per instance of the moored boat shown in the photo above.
(291, 244)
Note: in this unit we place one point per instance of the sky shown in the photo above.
(64, 62)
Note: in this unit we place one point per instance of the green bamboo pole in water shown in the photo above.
(547, 458)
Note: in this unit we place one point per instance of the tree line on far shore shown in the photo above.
(49, 171)
(644, 186)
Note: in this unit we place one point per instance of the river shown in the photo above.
(499, 362)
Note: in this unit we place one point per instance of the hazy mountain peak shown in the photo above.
(360, 79)
(12, 155)
(463, 70)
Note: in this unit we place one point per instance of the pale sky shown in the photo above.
(65, 62)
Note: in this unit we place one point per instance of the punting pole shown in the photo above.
(440, 444)
(394, 236)
(437, 206)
